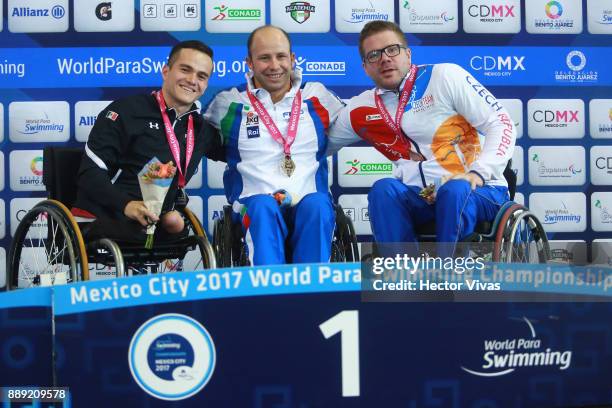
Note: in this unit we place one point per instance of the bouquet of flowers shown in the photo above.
(155, 179)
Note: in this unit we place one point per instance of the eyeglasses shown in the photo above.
(390, 50)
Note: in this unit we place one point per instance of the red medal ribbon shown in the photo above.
(396, 126)
(271, 126)
(173, 142)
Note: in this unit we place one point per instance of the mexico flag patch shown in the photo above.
(112, 115)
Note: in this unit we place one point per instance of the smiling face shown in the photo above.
(186, 79)
(388, 72)
(271, 61)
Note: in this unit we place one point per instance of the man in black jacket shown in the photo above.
(131, 131)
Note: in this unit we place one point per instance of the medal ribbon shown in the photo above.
(172, 140)
(271, 126)
(396, 126)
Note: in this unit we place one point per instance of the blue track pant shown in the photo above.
(307, 227)
(395, 209)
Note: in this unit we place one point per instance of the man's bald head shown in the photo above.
(262, 28)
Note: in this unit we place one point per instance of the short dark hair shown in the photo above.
(191, 45)
(378, 26)
(252, 36)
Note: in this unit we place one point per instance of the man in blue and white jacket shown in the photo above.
(277, 170)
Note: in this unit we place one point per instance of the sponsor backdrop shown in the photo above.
(547, 61)
(219, 339)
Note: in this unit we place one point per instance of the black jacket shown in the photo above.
(126, 135)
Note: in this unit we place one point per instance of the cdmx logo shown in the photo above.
(40, 220)
(554, 9)
(498, 62)
(36, 166)
(492, 11)
(604, 163)
(556, 116)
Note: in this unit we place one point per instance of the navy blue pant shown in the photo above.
(309, 227)
(395, 209)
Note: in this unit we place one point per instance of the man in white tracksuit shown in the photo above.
(274, 131)
(426, 120)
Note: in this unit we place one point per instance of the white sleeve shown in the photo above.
(341, 132)
(329, 100)
(482, 110)
(218, 108)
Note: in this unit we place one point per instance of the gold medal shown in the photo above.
(288, 165)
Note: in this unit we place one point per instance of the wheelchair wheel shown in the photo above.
(238, 245)
(197, 257)
(346, 237)
(217, 242)
(521, 238)
(194, 227)
(222, 238)
(344, 245)
(107, 253)
(47, 249)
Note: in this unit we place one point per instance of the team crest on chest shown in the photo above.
(252, 119)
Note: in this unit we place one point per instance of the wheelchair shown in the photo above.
(516, 235)
(48, 246)
(231, 249)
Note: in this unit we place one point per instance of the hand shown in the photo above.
(137, 211)
(472, 178)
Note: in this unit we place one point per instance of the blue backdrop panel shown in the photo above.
(26, 338)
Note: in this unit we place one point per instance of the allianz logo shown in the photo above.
(56, 12)
(89, 120)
